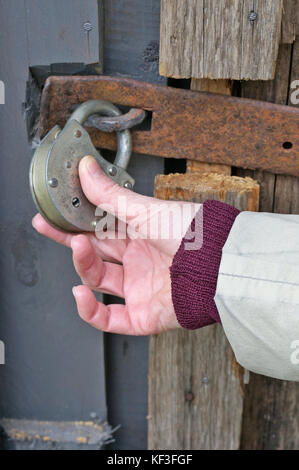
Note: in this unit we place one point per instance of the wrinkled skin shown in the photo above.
(134, 269)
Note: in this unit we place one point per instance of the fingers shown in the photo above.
(103, 192)
(107, 249)
(94, 272)
(44, 228)
(109, 318)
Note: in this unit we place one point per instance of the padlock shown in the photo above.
(54, 177)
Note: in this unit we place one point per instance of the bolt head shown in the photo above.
(112, 171)
(128, 185)
(53, 182)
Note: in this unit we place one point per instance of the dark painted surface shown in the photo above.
(54, 362)
(132, 49)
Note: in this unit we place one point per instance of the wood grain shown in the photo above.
(289, 21)
(195, 388)
(216, 40)
(243, 193)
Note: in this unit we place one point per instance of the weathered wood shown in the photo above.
(243, 193)
(195, 166)
(271, 412)
(195, 388)
(289, 21)
(216, 39)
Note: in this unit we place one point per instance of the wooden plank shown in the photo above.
(243, 193)
(216, 39)
(63, 31)
(271, 414)
(195, 388)
(289, 20)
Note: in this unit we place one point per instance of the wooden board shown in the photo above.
(195, 385)
(289, 21)
(216, 39)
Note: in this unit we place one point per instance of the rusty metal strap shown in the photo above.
(199, 126)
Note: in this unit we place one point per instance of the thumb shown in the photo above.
(103, 192)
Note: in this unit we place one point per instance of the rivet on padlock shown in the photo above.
(54, 178)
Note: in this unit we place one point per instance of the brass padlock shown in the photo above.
(54, 178)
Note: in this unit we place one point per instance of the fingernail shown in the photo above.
(74, 290)
(92, 167)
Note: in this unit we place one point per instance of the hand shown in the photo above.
(135, 268)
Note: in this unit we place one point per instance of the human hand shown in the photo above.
(134, 265)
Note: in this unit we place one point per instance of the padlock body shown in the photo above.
(55, 182)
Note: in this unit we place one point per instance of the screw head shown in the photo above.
(252, 16)
(53, 182)
(77, 133)
(128, 185)
(112, 171)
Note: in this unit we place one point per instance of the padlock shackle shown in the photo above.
(124, 140)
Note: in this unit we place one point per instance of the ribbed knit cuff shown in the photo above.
(194, 272)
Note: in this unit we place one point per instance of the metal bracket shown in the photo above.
(198, 126)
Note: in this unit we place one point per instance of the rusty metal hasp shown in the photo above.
(54, 177)
(195, 125)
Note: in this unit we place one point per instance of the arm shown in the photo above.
(244, 272)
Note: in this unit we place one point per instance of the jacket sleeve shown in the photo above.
(246, 276)
(257, 294)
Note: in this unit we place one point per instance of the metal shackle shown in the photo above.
(124, 139)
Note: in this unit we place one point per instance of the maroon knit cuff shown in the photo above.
(194, 272)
